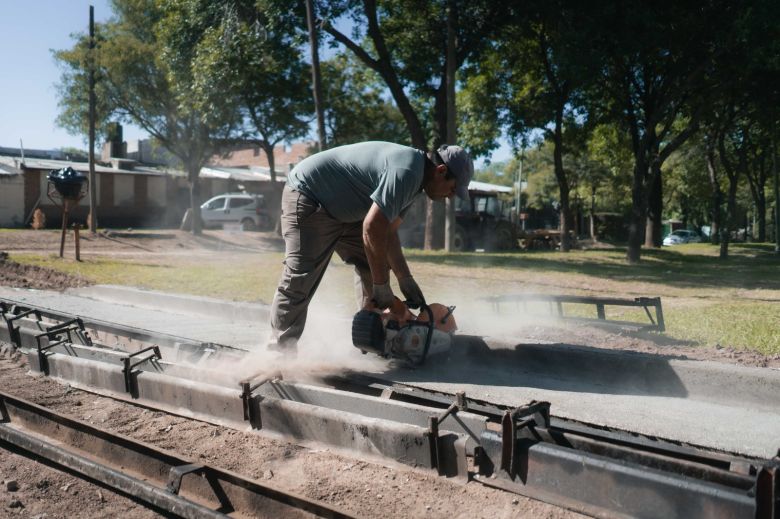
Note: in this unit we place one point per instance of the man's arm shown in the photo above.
(395, 255)
(383, 247)
(376, 231)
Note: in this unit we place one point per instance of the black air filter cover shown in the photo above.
(368, 333)
(68, 182)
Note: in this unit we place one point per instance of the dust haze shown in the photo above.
(326, 345)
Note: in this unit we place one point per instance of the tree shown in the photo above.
(417, 63)
(257, 65)
(606, 181)
(73, 89)
(144, 62)
(654, 83)
(356, 107)
(544, 67)
(250, 66)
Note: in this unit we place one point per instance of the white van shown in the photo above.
(236, 208)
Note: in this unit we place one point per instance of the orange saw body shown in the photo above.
(398, 333)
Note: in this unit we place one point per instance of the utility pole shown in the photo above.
(449, 222)
(92, 183)
(315, 74)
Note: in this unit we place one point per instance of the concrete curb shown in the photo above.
(177, 303)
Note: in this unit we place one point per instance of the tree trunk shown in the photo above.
(654, 227)
(717, 198)
(275, 203)
(196, 222)
(429, 224)
(563, 184)
(315, 74)
(761, 210)
(731, 209)
(593, 214)
(638, 210)
(434, 221)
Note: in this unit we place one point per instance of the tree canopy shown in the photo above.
(654, 110)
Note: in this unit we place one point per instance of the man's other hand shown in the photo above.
(382, 295)
(411, 291)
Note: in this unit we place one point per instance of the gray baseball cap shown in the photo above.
(460, 164)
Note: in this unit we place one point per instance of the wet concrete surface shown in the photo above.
(722, 406)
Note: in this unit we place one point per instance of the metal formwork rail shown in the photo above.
(556, 303)
(167, 482)
(523, 450)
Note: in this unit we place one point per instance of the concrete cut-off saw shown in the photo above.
(400, 334)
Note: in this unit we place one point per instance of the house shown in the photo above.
(11, 196)
(128, 194)
(251, 155)
(243, 155)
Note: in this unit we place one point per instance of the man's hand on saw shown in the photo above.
(383, 295)
(411, 290)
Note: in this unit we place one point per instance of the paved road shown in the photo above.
(721, 406)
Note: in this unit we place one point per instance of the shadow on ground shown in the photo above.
(558, 367)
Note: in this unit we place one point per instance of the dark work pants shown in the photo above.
(310, 237)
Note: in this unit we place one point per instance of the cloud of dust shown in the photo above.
(326, 345)
(475, 316)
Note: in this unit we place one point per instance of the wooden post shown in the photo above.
(76, 228)
(65, 203)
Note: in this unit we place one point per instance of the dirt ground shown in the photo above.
(140, 242)
(363, 488)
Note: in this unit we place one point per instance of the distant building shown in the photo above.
(128, 194)
(248, 155)
(138, 183)
(11, 195)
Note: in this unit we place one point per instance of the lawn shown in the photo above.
(706, 300)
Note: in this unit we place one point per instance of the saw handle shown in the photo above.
(431, 327)
(414, 306)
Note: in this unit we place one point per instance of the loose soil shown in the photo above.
(362, 488)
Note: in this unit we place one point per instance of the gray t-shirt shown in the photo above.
(346, 180)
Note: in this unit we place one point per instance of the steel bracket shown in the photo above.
(767, 492)
(460, 404)
(17, 312)
(521, 420)
(248, 386)
(176, 473)
(127, 368)
(55, 332)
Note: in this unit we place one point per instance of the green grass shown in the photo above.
(749, 325)
(243, 278)
(691, 266)
(707, 301)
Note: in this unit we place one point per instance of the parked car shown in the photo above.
(245, 209)
(682, 236)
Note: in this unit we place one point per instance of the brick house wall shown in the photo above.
(246, 156)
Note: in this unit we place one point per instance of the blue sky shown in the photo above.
(28, 100)
(31, 29)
